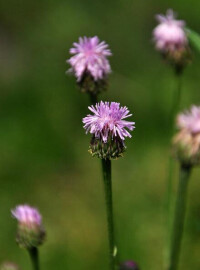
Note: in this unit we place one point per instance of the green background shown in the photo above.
(44, 159)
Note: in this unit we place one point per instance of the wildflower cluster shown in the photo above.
(107, 123)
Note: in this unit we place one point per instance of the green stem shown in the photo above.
(176, 101)
(93, 98)
(34, 255)
(179, 217)
(169, 209)
(106, 168)
(169, 191)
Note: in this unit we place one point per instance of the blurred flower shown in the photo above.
(109, 128)
(90, 56)
(9, 266)
(89, 63)
(27, 215)
(169, 35)
(187, 140)
(129, 265)
(190, 120)
(170, 38)
(30, 229)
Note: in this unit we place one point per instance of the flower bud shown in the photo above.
(128, 265)
(30, 232)
(109, 129)
(9, 266)
(186, 143)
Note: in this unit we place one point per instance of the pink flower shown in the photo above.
(90, 57)
(30, 232)
(108, 119)
(190, 120)
(27, 215)
(187, 140)
(169, 35)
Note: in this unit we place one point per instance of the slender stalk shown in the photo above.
(179, 217)
(106, 168)
(34, 255)
(176, 101)
(93, 98)
(169, 190)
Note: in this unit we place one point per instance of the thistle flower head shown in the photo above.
(190, 120)
(108, 125)
(129, 265)
(108, 119)
(169, 35)
(187, 140)
(90, 57)
(9, 266)
(30, 229)
(171, 40)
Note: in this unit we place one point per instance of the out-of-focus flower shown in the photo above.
(190, 120)
(169, 35)
(89, 63)
(129, 265)
(30, 232)
(9, 266)
(90, 56)
(109, 129)
(171, 40)
(187, 141)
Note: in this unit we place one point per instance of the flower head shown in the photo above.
(129, 265)
(187, 140)
(171, 40)
(108, 125)
(190, 120)
(169, 35)
(108, 119)
(30, 229)
(90, 57)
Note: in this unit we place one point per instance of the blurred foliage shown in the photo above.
(44, 159)
(194, 38)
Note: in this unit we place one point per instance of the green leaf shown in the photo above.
(194, 38)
